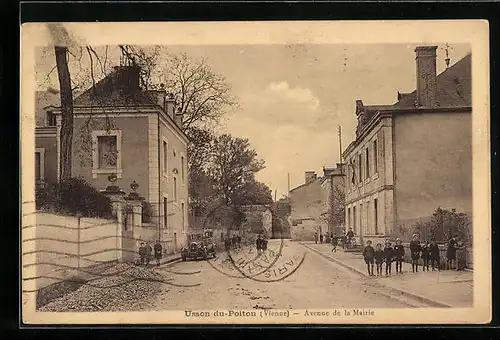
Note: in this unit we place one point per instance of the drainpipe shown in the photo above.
(159, 180)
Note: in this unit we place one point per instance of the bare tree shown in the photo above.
(201, 94)
(335, 215)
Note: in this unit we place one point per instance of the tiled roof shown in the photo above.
(454, 87)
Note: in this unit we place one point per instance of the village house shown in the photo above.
(123, 130)
(413, 156)
(312, 202)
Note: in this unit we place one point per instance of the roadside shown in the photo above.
(447, 288)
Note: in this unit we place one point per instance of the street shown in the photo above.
(317, 283)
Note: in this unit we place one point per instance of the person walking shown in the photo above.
(320, 237)
(434, 255)
(369, 255)
(238, 241)
(379, 258)
(335, 242)
(149, 252)
(425, 255)
(350, 236)
(316, 237)
(258, 244)
(158, 252)
(415, 250)
(451, 252)
(388, 257)
(142, 253)
(343, 240)
(399, 254)
(264, 243)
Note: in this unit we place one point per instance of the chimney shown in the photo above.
(178, 118)
(426, 76)
(310, 176)
(170, 105)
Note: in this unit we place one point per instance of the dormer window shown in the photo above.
(51, 119)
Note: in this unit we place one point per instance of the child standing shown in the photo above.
(379, 258)
(369, 255)
(425, 256)
(415, 249)
(388, 257)
(399, 254)
(434, 254)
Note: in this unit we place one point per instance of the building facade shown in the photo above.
(414, 156)
(137, 135)
(314, 202)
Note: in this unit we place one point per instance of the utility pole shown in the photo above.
(288, 183)
(275, 191)
(340, 150)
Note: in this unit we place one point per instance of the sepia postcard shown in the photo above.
(305, 172)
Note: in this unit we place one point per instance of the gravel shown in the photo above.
(123, 287)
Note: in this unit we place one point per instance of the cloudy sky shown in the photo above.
(293, 97)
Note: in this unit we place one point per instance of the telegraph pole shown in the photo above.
(288, 183)
(340, 149)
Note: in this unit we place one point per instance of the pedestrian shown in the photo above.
(425, 255)
(315, 237)
(158, 252)
(388, 257)
(344, 240)
(234, 241)
(142, 253)
(227, 243)
(335, 242)
(350, 236)
(258, 244)
(369, 255)
(379, 258)
(399, 255)
(434, 255)
(264, 244)
(149, 252)
(320, 237)
(238, 241)
(451, 252)
(415, 250)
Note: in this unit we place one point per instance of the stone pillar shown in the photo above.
(134, 204)
(117, 199)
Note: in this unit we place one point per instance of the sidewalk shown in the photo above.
(446, 288)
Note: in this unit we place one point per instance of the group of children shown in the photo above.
(378, 256)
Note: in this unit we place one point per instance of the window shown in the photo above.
(367, 163)
(106, 152)
(165, 212)
(360, 168)
(375, 157)
(175, 189)
(349, 222)
(361, 218)
(51, 119)
(182, 170)
(375, 217)
(183, 216)
(39, 166)
(165, 157)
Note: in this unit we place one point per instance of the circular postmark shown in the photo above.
(273, 264)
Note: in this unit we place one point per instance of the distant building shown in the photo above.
(413, 156)
(258, 219)
(123, 130)
(311, 203)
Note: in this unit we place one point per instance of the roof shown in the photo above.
(454, 87)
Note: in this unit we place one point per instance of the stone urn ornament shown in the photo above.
(112, 187)
(134, 195)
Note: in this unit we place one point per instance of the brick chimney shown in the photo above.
(426, 76)
(170, 105)
(178, 118)
(310, 176)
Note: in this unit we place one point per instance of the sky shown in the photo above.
(293, 97)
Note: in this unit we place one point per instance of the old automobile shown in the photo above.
(201, 246)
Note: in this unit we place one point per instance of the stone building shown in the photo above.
(311, 203)
(132, 133)
(413, 156)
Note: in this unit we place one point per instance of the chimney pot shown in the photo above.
(426, 76)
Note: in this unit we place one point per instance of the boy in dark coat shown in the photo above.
(369, 255)
(415, 250)
(399, 254)
(434, 255)
(388, 257)
(379, 258)
(425, 256)
(149, 253)
(158, 252)
(142, 253)
(451, 252)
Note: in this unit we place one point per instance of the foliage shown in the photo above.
(335, 215)
(74, 196)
